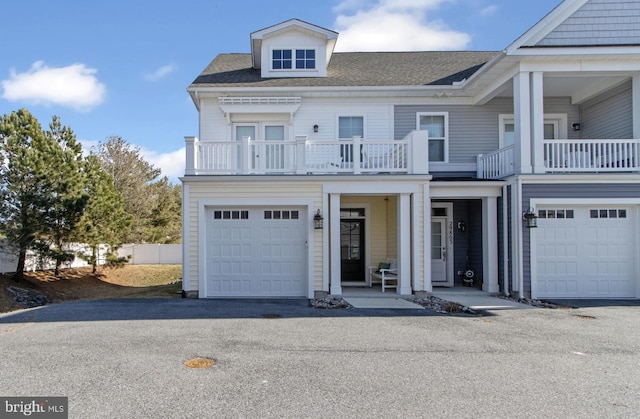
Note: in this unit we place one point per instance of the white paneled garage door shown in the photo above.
(585, 252)
(256, 252)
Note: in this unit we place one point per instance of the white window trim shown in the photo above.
(560, 120)
(446, 132)
(364, 125)
(293, 60)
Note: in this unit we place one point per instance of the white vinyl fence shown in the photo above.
(141, 254)
(152, 254)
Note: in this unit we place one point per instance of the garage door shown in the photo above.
(585, 252)
(255, 252)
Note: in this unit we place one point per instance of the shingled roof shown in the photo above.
(354, 69)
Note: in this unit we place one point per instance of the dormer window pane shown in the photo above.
(305, 58)
(282, 59)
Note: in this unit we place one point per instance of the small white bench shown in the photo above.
(386, 276)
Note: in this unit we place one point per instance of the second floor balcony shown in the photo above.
(568, 156)
(302, 156)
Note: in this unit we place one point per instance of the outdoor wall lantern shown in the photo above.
(315, 128)
(576, 126)
(531, 218)
(317, 220)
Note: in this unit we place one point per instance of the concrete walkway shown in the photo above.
(379, 302)
(477, 300)
(469, 297)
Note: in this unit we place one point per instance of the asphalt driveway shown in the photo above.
(124, 358)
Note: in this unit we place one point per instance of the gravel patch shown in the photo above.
(443, 306)
(329, 303)
(28, 298)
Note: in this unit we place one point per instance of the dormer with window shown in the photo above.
(292, 49)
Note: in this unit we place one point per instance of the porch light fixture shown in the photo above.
(315, 128)
(576, 126)
(317, 221)
(531, 218)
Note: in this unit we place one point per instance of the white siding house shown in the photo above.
(522, 165)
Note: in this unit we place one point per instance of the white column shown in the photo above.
(522, 116)
(186, 241)
(301, 164)
(190, 157)
(490, 244)
(404, 244)
(334, 244)
(419, 152)
(426, 243)
(537, 121)
(636, 107)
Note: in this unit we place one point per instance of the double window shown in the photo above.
(286, 59)
(437, 123)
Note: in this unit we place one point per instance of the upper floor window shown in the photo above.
(306, 58)
(438, 126)
(350, 126)
(282, 59)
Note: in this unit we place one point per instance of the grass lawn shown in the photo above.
(138, 281)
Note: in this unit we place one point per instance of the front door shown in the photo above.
(439, 251)
(352, 250)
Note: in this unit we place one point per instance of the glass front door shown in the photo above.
(352, 261)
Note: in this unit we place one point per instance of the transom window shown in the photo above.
(438, 126)
(608, 213)
(281, 215)
(282, 59)
(351, 212)
(555, 213)
(230, 215)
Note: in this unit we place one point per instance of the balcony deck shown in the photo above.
(304, 156)
(568, 156)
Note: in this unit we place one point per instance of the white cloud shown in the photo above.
(74, 86)
(171, 163)
(160, 73)
(394, 25)
(489, 10)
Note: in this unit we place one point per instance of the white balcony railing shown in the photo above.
(497, 164)
(568, 156)
(592, 155)
(304, 156)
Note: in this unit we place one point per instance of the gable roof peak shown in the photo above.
(258, 36)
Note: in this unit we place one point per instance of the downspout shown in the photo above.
(505, 241)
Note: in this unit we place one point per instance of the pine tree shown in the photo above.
(105, 220)
(25, 181)
(68, 194)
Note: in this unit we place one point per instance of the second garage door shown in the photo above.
(585, 252)
(256, 252)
